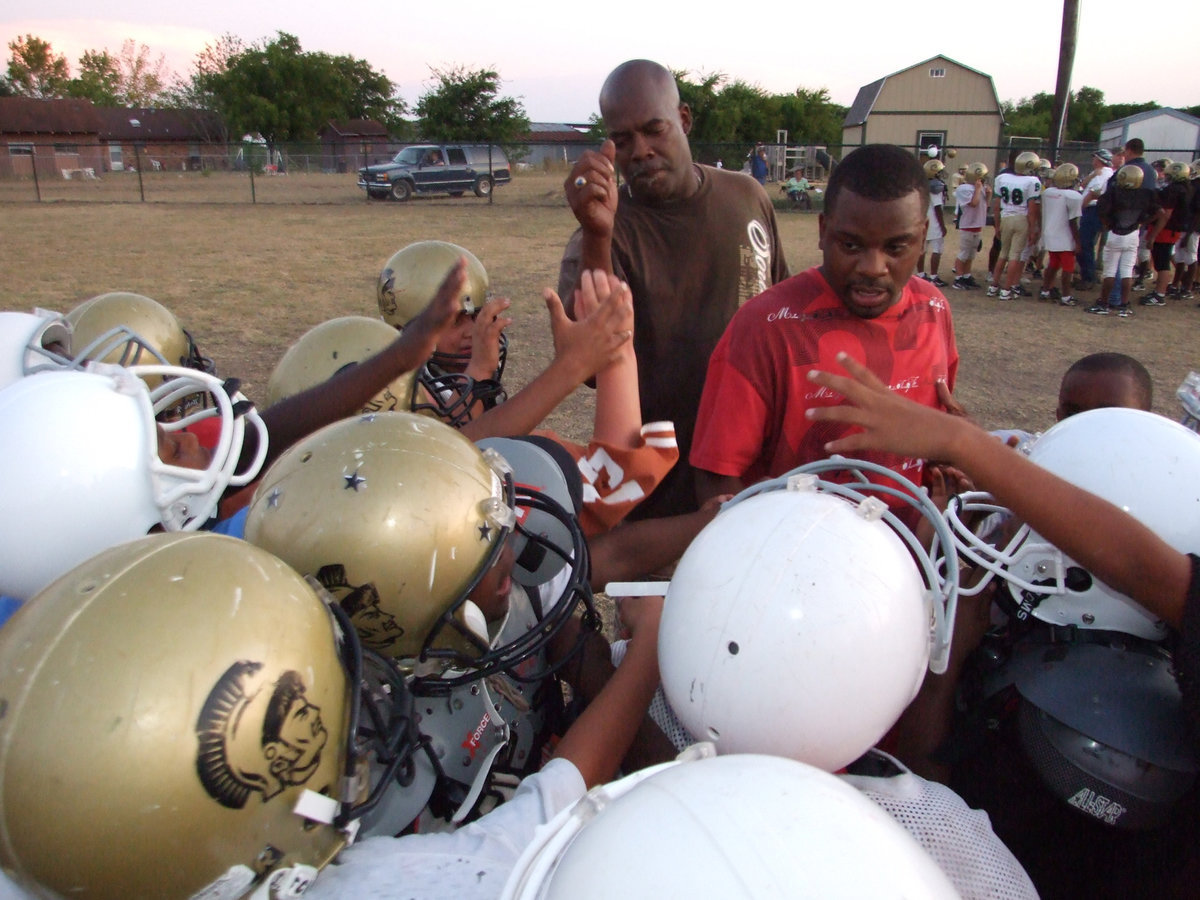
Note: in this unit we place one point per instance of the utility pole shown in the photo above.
(1066, 64)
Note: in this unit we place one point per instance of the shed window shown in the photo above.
(20, 149)
(937, 73)
(66, 149)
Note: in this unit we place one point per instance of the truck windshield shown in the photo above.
(410, 156)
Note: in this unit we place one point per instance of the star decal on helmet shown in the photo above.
(485, 532)
(273, 498)
(354, 481)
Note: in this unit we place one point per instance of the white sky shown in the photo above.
(555, 56)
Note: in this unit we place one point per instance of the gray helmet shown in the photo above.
(542, 536)
(1103, 725)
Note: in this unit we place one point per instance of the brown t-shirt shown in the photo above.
(690, 266)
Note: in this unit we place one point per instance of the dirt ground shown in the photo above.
(247, 280)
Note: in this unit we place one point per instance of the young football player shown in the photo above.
(1138, 572)
(1062, 206)
(1017, 200)
(235, 764)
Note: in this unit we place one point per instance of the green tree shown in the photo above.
(99, 79)
(370, 94)
(728, 117)
(1121, 110)
(143, 78)
(466, 105)
(194, 92)
(35, 70)
(1085, 114)
(810, 117)
(702, 98)
(1029, 116)
(285, 94)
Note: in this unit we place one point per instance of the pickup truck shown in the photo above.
(450, 169)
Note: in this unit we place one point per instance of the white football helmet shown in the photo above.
(80, 450)
(184, 717)
(28, 343)
(1141, 462)
(726, 826)
(812, 585)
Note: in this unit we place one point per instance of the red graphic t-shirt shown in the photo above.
(751, 422)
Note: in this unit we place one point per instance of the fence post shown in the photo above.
(137, 157)
(366, 162)
(253, 195)
(37, 185)
(492, 175)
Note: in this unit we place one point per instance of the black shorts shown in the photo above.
(1161, 255)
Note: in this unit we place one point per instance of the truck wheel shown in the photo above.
(483, 186)
(401, 190)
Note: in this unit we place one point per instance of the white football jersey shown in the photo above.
(1015, 192)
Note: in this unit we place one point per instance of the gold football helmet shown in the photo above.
(400, 517)
(331, 347)
(1027, 163)
(1130, 177)
(976, 172)
(407, 283)
(1178, 171)
(1066, 176)
(180, 716)
(412, 276)
(933, 168)
(131, 329)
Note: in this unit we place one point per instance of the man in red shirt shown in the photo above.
(862, 299)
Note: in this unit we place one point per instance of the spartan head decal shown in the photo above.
(387, 292)
(257, 735)
(376, 628)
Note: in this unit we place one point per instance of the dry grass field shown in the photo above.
(247, 279)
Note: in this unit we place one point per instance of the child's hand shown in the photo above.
(435, 319)
(596, 340)
(638, 615)
(485, 338)
(595, 286)
(888, 421)
(949, 402)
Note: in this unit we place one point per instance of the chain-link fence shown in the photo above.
(328, 172)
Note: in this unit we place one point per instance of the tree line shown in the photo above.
(272, 87)
(275, 88)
